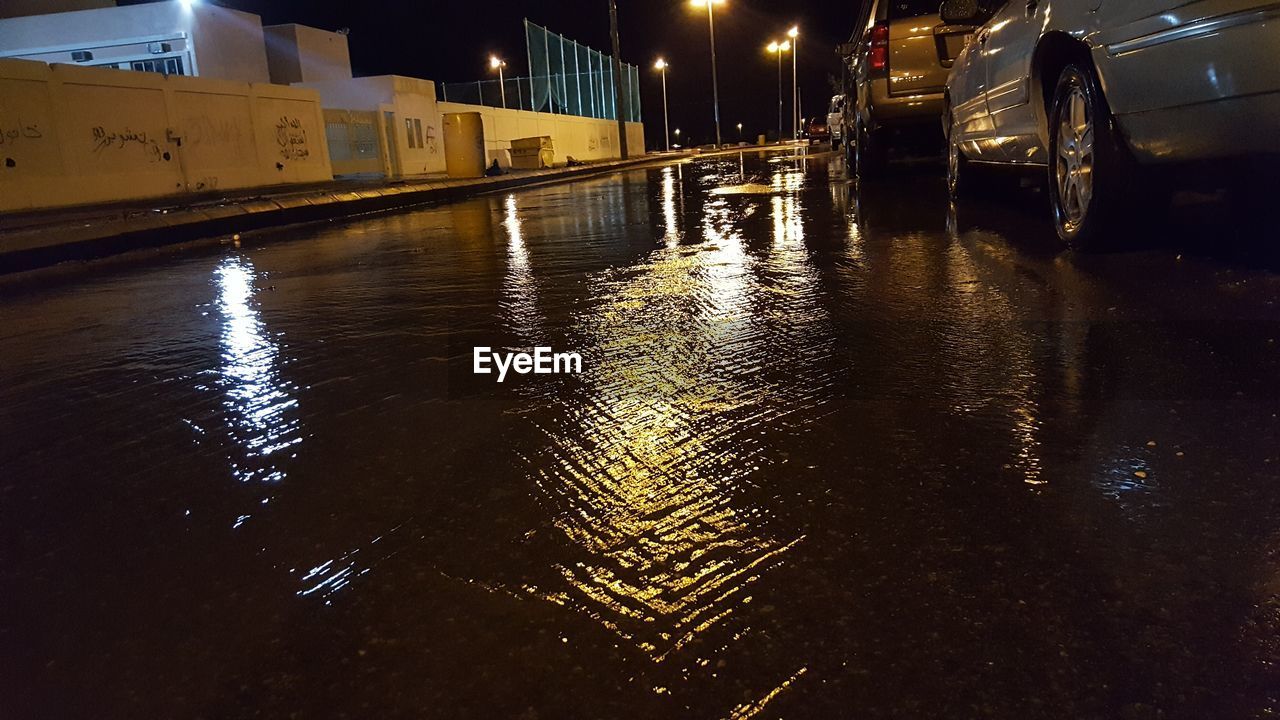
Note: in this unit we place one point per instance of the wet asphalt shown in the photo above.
(835, 452)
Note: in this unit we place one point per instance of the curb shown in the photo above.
(88, 242)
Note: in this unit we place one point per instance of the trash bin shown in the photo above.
(532, 153)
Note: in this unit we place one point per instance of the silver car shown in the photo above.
(1093, 90)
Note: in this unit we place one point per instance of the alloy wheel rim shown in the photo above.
(1074, 159)
(953, 163)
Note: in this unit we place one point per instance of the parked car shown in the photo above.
(835, 117)
(815, 129)
(1091, 91)
(897, 64)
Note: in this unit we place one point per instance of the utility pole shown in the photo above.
(715, 81)
(617, 79)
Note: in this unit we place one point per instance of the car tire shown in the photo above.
(869, 155)
(1090, 171)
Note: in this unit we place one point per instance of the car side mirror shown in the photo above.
(844, 50)
(961, 12)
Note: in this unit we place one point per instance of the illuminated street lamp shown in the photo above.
(778, 48)
(715, 83)
(661, 66)
(677, 136)
(739, 132)
(794, 34)
(495, 63)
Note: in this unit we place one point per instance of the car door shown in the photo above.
(1015, 30)
(968, 92)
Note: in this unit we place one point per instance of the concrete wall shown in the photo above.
(74, 135)
(298, 54)
(582, 138)
(216, 42)
(412, 105)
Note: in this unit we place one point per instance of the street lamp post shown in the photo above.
(739, 132)
(618, 106)
(778, 48)
(495, 63)
(715, 83)
(794, 34)
(661, 65)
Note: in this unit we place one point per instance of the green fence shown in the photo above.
(564, 78)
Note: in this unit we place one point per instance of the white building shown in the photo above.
(180, 37)
(300, 54)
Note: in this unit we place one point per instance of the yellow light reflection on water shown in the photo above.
(648, 463)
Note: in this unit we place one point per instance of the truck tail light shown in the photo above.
(880, 50)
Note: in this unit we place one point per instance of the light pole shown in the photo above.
(778, 48)
(739, 132)
(661, 65)
(794, 34)
(715, 82)
(495, 63)
(677, 136)
(617, 81)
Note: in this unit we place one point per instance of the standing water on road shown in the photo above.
(831, 453)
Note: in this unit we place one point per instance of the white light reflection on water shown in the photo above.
(520, 291)
(330, 576)
(671, 227)
(260, 404)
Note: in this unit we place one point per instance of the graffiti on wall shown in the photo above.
(432, 147)
(12, 133)
(292, 138)
(127, 139)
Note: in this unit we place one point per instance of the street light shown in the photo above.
(677, 136)
(794, 34)
(495, 63)
(715, 83)
(661, 66)
(778, 48)
(739, 132)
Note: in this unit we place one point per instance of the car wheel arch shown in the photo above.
(1053, 53)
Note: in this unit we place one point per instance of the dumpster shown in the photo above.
(532, 153)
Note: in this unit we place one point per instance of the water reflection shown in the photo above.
(650, 464)
(520, 291)
(262, 418)
(672, 233)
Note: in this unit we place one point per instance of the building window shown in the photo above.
(408, 126)
(164, 66)
(417, 132)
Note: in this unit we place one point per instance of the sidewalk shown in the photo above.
(35, 239)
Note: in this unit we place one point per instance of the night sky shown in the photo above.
(451, 40)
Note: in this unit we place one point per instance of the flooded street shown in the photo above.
(833, 453)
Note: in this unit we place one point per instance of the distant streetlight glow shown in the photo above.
(497, 63)
(661, 67)
(715, 82)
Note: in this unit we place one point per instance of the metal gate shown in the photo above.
(354, 145)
